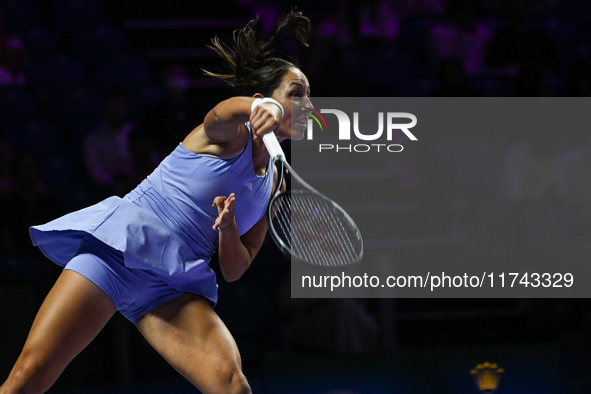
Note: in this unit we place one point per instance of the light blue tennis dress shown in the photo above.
(159, 236)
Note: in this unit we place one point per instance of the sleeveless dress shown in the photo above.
(164, 224)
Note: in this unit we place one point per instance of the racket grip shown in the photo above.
(272, 144)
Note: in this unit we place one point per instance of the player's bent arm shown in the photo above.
(222, 122)
(236, 253)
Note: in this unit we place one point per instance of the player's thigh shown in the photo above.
(194, 340)
(73, 313)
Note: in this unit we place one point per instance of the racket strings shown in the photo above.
(330, 227)
(282, 218)
(331, 244)
(314, 230)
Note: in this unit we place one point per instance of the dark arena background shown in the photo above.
(71, 70)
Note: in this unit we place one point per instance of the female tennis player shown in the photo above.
(147, 254)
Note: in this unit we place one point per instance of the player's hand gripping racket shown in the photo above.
(307, 225)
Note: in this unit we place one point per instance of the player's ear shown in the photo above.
(258, 95)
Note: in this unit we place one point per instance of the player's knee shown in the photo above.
(30, 375)
(230, 381)
(238, 383)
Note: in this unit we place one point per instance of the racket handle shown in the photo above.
(273, 146)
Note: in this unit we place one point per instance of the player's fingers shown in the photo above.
(258, 117)
(254, 118)
(229, 205)
(267, 126)
(262, 120)
(219, 203)
(224, 219)
(220, 220)
(259, 125)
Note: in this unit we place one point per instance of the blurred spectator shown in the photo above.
(173, 118)
(342, 392)
(578, 79)
(424, 7)
(29, 204)
(13, 62)
(529, 191)
(144, 156)
(452, 80)
(6, 159)
(6, 190)
(378, 20)
(575, 179)
(342, 326)
(461, 36)
(530, 82)
(268, 14)
(520, 44)
(530, 171)
(354, 21)
(333, 44)
(336, 28)
(109, 160)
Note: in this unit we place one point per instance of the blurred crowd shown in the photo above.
(82, 116)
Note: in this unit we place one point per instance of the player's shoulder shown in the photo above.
(201, 141)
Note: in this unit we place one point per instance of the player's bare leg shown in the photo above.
(73, 313)
(194, 340)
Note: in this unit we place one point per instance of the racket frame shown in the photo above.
(280, 161)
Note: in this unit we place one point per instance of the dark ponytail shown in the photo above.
(250, 61)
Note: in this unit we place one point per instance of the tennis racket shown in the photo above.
(307, 225)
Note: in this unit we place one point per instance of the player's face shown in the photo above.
(294, 96)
